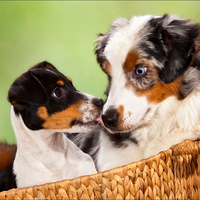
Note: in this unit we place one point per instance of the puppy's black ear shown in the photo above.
(27, 89)
(100, 46)
(102, 40)
(178, 36)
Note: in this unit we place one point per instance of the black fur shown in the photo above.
(153, 38)
(87, 142)
(119, 140)
(99, 49)
(7, 179)
(179, 38)
(34, 89)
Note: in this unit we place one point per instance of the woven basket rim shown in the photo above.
(188, 147)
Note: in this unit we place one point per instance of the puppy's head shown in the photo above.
(147, 59)
(46, 99)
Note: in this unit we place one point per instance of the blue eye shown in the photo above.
(140, 71)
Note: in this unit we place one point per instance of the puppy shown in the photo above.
(44, 104)
(153, 69)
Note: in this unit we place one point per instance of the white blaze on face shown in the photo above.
(122, 97)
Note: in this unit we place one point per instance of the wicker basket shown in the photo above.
(172, 174)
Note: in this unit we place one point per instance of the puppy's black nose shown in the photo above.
(98, 102)
(110, 119)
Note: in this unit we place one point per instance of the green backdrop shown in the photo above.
(64, 33)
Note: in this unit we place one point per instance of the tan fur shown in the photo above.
(131, 61)
(161, 91)
(107, 67)
(60, 120)
(7, 155)
(60, 82)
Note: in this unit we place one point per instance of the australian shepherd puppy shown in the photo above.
(153, 95)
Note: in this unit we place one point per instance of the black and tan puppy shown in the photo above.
(44, 105)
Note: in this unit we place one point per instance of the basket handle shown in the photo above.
(186, 147)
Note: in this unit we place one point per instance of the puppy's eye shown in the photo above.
(57, 92)
(140, 71)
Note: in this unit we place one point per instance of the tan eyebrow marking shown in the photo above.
(49, 66)
(131, 61)
(69, 79)
(60, 82)
(160, 91)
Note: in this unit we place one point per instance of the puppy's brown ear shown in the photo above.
(27, 89)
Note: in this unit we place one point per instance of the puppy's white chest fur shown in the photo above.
(109, 158)
(52, 165)
(46, 156)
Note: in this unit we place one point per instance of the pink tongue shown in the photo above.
(100, 121)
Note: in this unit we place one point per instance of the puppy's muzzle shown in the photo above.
(98, 102)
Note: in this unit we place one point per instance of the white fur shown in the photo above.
(119, 94)
(45, 156)
(173, 122)
(87, 109)
(109, 157)
(116, 50)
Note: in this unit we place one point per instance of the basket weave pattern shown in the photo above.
(172, 174)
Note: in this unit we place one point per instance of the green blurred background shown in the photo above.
(64, 33)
